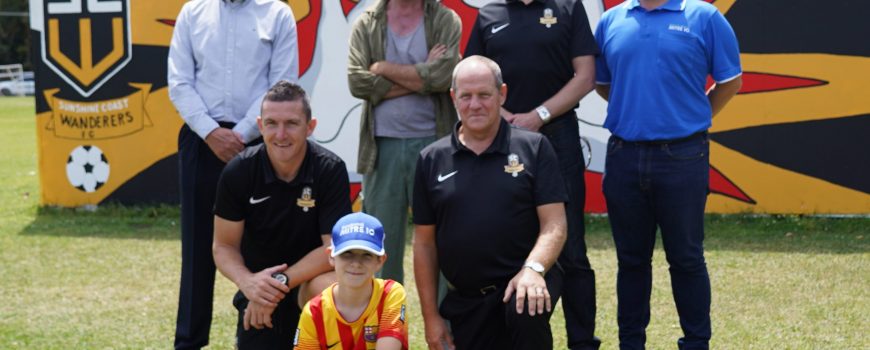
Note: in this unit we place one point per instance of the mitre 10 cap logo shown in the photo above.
(86, 42)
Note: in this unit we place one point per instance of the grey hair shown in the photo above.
(285, 91)
(493, 67)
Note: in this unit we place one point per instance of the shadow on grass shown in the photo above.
(773, 233)
(158, 222)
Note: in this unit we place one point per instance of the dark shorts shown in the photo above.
(285, 319)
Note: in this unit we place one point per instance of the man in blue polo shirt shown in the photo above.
(655, 58)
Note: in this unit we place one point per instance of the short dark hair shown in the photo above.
(285, 91)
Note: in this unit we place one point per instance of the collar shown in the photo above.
(671, 5)
(304, 176)
(233, 1)
(501, 143)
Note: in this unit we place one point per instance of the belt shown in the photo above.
(472, 292)
(662, 142)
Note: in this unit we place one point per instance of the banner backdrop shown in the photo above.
(794, 140)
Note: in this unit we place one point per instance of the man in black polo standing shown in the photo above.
(489, 212)
(547, 53)
(275, 207)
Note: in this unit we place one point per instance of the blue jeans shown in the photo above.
(650, 185)
(578, 296)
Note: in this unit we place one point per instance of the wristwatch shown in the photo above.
(280, 277)
(535, 266)
(544, 113)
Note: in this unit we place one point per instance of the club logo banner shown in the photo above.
(98, 120)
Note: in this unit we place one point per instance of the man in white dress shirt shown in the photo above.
(224, 56)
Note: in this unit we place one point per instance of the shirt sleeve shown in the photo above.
(722, 49)
(424, 213)
(230, 202)
(393, 322)
(283, 65)
(602, 71)
(334, 193)
(549, 187)
(181, 79)
(306, 332)
(436, 75)
(582, 41)
(362, 83)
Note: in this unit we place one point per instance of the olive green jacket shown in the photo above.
(368, 45)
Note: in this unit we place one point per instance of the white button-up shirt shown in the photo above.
(224, 56)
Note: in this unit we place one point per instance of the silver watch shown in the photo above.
(535, 266)
(544, 113)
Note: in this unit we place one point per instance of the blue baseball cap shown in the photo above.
(358, 231)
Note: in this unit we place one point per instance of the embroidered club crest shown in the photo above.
(514, 166)
(305, 201)
(370, 333)
(548, 19)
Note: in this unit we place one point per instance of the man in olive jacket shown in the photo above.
(402, 54)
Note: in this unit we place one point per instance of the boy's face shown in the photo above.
(356, 267)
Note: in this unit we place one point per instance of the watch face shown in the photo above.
(543, 112)
(280, 277)
(537, 267)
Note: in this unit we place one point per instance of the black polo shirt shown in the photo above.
(278, 227)
(535, 60)
(485, 218)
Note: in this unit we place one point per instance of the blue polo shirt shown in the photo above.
(657, 63)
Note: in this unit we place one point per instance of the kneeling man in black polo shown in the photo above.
(489, 212)
(275, 207)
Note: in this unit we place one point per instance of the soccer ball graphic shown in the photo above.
(87, 168)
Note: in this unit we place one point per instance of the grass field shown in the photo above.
(75, 279)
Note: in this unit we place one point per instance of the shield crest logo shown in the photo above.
(86, 42)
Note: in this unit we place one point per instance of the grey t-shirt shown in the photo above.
(412, 115)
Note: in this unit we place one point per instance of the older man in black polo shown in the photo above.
(489, 212)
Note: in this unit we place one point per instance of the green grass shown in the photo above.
(76, 279)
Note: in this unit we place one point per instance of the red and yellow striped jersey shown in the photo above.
(384, 317)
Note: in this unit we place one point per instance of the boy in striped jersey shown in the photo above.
(359, 311)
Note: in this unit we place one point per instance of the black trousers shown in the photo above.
(480, 321)
(199, 170)
(285, 319)
(578, 296)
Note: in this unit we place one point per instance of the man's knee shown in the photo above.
(525, 326)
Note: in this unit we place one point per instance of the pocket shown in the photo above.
(689, 150)
(613, 146)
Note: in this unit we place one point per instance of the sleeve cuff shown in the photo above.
(202, 125)
(248, 129)
(423, 72)
(602, 82)
(379, 89)
(723, 81)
